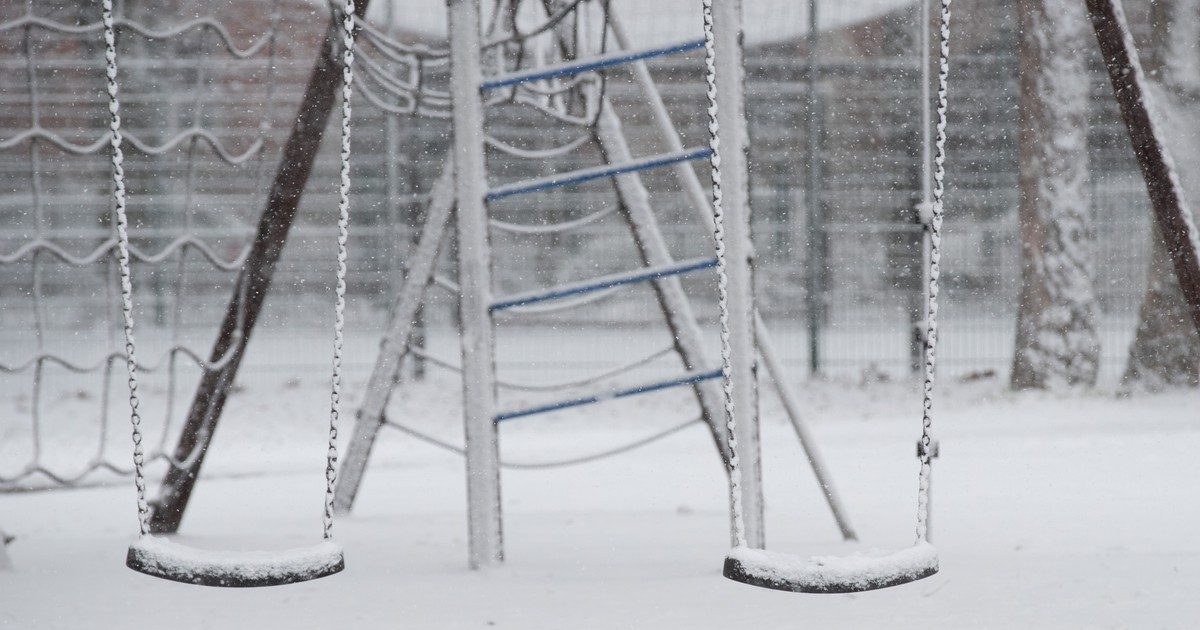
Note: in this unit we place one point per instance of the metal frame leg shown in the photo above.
(486, 545)
(394, 346)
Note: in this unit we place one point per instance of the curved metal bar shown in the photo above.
(437, 98)
(85, 368)
(560, 463)
(554, 306)
(551, 387)
(44, 245)
(8, 483)
(378, 102)
(536, 154)
(200, 134)
(380, 38)
(559, 86)
(396, 50)
(141, 29)
(384, 75)
(534, 101)
(39, 133)
(550, 228)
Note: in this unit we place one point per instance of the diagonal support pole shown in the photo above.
(701, 203)
(253, 282)
(394, 345)
(634, 201)
(1175, 220)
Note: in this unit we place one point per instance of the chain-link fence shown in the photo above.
(836, 177)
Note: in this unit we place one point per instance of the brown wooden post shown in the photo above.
(1166, 199)
(253, 281)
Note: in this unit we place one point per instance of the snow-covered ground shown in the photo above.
(1075, 512)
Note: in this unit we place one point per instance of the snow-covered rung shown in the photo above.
(169, 560)
(831, 574)
(686, 379)
(571, 178)
(599, 62)
(603, 282)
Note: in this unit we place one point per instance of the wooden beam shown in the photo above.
(1175, 221)
(253, 281)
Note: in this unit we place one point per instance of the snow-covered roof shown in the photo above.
(650, 22)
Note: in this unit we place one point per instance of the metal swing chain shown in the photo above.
(714, 143)
(934, 272)
(122, 225)
(935, 254)
(335, 395)
(122, 222)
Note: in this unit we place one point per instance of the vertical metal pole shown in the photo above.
(814, 271)
(731, 118)
(474, 272)
(412, 220)
(391, 141)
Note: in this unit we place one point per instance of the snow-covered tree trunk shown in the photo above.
(1056, 343)
(1166, 349)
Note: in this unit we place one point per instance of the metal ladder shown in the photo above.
(464, 178)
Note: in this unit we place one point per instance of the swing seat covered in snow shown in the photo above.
(172, 561)
(162, 558)
(831, 574)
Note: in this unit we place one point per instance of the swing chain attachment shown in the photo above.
(122, 228)
(335, 396)
(857, 573)
(926, 450)
(169, 560)
(714, 142)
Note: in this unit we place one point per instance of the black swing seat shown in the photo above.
(831, 574)
(169, 560)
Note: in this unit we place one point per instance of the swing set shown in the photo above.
(746, 561)
(169, 560)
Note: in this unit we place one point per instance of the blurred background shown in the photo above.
(836, 143)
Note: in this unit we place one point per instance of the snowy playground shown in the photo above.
(1048, 513)
(584, 314)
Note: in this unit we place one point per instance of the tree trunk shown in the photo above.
(1056, 344)
(1166, 349)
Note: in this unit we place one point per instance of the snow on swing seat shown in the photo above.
(169, 560)
(831, 574)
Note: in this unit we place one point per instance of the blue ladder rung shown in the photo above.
(686, 379)
(603, 282)
(596, 172)
(599, 62)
